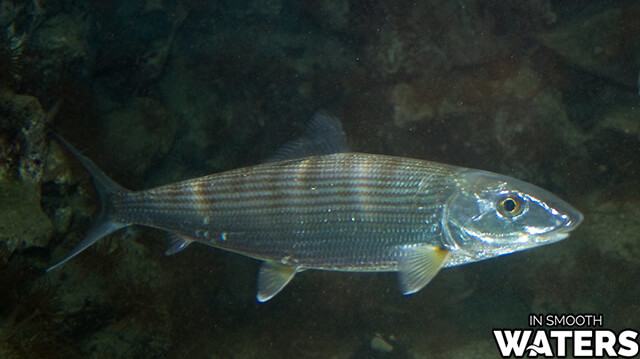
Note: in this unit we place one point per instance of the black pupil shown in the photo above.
(509, 205)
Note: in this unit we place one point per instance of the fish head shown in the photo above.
(491, 215)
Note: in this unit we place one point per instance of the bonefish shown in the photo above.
(317, 206)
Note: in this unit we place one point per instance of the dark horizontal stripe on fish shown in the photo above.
(312, 214)
(292, 174)
(304, 209)
(220, 186)
(301, 190)
(384, 220)
(306, 184)
(356, 195)
(338, 199)
(326, 186)
(272, 211)
(285, 174)
(323, 243)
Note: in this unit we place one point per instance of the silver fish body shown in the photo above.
(342, 212)
(345, 211)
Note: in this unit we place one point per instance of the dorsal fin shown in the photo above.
(323, 136)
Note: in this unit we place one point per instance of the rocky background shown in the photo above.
(157, 91)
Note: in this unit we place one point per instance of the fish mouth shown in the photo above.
(552, 237)
(570, 221)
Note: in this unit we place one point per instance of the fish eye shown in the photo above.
(510, 205)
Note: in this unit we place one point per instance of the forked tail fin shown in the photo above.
(106, 188)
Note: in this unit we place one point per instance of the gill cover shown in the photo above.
(491, 215)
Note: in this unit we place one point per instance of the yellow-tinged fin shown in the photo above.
(419, 265)
(272, 277)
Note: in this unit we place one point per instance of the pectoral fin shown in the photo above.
(272, 277)
(419, 265)
(175, 244)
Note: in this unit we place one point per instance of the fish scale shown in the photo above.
(261, 211)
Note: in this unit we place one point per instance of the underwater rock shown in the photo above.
(22, 152)
(18, 22)
(61, 49)
(606, 44)
(398, 53)
(142, 132)
(626, 246)
(623, 117)
(509, 110)
(66, 34)
(22, 136)
(428, 39)
(8, 12)
(409, 106)
(22, 223)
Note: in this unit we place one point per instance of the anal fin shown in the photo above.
(272, 277)
(419, 265)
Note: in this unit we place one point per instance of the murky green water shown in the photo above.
(158, 91)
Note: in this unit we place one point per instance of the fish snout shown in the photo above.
(571, 220)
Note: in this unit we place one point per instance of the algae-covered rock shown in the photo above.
(22, 222)
(63, 41)
(22, 153)
(25, 163)
(22, 136)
